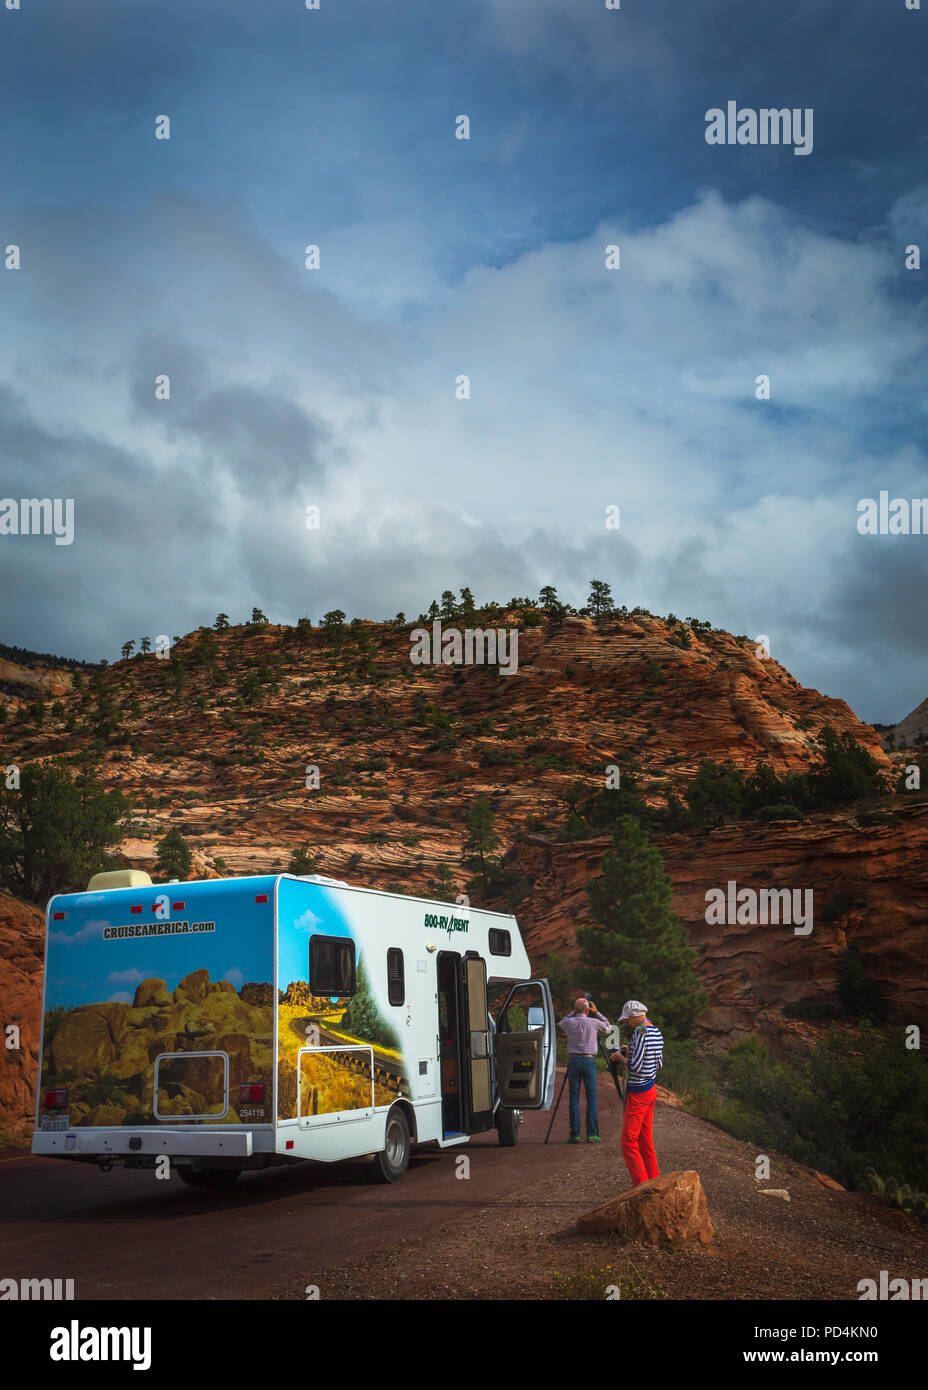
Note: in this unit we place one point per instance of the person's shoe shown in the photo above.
(574, 1139)
(594, 1139)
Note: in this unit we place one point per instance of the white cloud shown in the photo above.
(126, 977)
(588, 388)
(307, 921)
(89, 931)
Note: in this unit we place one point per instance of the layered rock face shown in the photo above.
(869, 887)
(340, 743)
(46, 681)
(22, 949)
(909, 730)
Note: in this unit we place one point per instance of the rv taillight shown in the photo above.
(261, 898)
(57, 916)
(251, 1091)
(56, 1100)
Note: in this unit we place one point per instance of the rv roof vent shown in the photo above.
(119, 878)
(322, 878)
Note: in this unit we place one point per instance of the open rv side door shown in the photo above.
(476, 1090)
(526, 1047)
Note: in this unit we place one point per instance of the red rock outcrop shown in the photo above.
(22, 946)
(47, 681)
(670, 1209)
(751, 972)
(228, 747)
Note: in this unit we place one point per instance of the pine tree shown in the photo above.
(333, 622)
(481, 841)
(303, 861)
(637, 948)
(304, 628)
(363, 1019)
(174, 859)
(443, 887)
(56, 832)
(222, 622)
(600, 601)
(449, 607)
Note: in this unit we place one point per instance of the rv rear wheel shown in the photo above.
(209, 1177)
(390, 1165)
(507, 1123)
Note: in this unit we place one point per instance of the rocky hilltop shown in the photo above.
(911, 729)
(257, 740)
(25, 682)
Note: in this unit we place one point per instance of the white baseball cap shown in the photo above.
(633, 1006)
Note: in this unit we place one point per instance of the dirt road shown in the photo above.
(125, 1235)
(499, 1227)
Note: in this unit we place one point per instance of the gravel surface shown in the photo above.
(818, 1245)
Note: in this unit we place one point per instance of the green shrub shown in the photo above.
(608, 1281)
(784, 812)
(859, 994)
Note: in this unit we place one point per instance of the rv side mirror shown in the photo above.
(536, 1016)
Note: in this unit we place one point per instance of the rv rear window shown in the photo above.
(500, 942)
(331, 967)
(396, 976)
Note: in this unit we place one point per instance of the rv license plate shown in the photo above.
(56, 1122)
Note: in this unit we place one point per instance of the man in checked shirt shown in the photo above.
(583, 1028)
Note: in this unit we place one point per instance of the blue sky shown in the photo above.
(83, 968)
(486, 257)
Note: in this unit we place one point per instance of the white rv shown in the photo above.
(246, 1022)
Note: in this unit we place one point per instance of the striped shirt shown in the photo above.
(645, 1057)
(583, 1032)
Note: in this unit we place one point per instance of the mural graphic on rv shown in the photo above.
(334, 1054)
(194, 982)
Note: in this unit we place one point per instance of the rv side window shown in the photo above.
(396, 976)
(500, 942)
(331, 966)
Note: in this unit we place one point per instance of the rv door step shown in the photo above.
(452, 1133)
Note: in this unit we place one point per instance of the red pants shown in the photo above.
(637, 1143)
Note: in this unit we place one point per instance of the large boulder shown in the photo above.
(258, 994)
(83, 1043)
(151, 992)
(116, 1016)
(671, 1208)
(193, 986)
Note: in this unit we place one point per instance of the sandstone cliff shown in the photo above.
(269, 742)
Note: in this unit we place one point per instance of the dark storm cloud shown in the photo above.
(336, 388)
